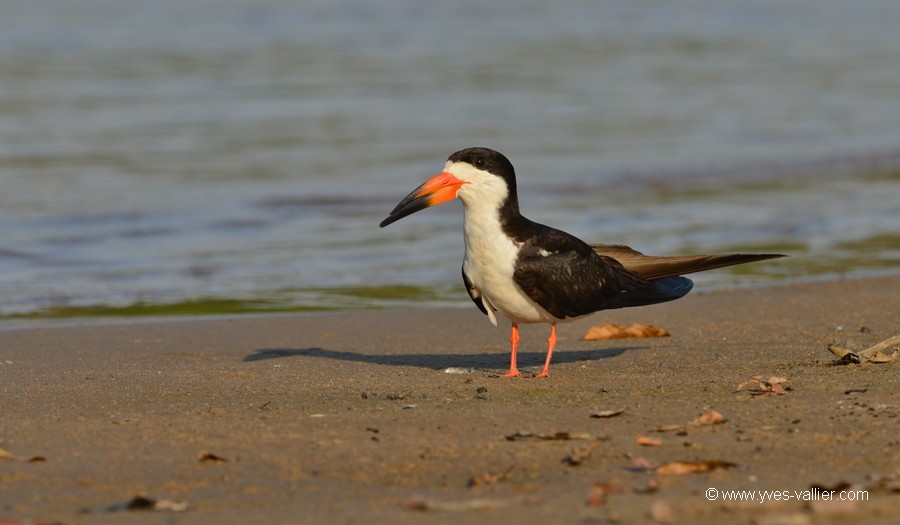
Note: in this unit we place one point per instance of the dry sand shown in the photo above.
(353, 418)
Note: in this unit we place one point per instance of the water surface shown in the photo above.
(236, 155)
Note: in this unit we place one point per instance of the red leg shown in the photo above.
(514, 341)
(546, 371)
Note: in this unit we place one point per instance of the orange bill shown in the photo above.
(440, 188)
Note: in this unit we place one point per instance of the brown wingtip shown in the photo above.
(660, 266)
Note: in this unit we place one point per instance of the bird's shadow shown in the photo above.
(438, 361)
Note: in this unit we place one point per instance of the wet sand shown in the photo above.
(354, 418)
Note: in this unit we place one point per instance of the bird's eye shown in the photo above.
(479, 162)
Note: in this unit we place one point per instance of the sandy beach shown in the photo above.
(398, 417)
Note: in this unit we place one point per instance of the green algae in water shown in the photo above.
(183, 308)
(281, 301)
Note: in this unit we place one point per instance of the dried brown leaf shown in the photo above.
(646, 441)
(429, 505)
(758, 386)
(33, 459)
(709, 418)
(398, 396)
(883, 352)
(618, 331)
(670, 428)
(643, 463)
(555, 436)
(209, 457)
(488, 478)
(692, 467)
(604, 414)
(141, 502)
(454, 506)
(171, 505)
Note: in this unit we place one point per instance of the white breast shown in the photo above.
(489, 264)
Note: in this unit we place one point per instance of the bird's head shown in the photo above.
(478, 176)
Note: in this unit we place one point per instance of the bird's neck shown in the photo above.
(486, 221)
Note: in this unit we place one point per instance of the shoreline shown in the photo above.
(385, 297)
(335, 416)
(36, 320)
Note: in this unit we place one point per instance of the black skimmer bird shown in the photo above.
(532, 273)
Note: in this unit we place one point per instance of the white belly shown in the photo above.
(489, 264)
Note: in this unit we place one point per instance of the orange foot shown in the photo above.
(544, 373)
(512, 373)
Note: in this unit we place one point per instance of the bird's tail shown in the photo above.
(653, 267)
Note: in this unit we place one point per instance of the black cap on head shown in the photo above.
(490, 161)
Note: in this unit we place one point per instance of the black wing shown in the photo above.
(473, 292)
(568, 279)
